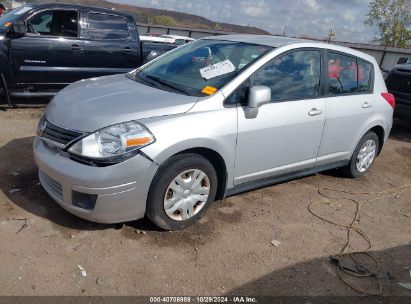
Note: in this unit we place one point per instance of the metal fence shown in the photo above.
(387, 57)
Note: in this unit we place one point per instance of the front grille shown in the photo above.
(59, 135)
(51, 185)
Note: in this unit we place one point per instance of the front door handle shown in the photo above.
(127, 50)
(366, 105)
(315, 112)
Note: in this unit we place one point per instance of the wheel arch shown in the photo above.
(218, 163)
(379, 130)
(376, 126)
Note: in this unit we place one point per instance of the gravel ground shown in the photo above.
(229, 251)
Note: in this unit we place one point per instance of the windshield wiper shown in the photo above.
(136, 77)
(168, 84)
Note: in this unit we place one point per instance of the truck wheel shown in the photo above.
(181, 191)
(363, 156)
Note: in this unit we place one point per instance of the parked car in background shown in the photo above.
(403, 60)
(154, 39)
(45, 47)
(210, 119)
(179, 40)
(386, 72)
(399, 84)
(174, 39)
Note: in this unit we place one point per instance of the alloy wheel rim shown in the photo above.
(366, 155)
(186, 195)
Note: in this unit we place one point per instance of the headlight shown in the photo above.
(114, 141)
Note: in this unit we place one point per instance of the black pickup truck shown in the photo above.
(399, 84)
(44, 47)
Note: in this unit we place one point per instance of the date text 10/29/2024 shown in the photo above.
(240, 299)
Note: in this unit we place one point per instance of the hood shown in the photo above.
(89, 105)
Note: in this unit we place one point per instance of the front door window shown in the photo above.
(58, 23)
(293, 76)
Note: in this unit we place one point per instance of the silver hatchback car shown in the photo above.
(210, 119)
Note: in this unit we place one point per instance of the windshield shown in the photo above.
(11, 16)
(202, 67)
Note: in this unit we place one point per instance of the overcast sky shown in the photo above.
(309, 17)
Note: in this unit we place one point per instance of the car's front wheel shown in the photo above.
(181, 191)
(363, 156)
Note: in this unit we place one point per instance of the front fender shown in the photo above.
(215, 130)
(5, 65)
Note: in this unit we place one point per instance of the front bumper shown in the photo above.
(121, 189)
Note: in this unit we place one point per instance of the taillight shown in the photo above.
(389, 98)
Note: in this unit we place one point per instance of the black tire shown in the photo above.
(351, 169)
(166, 173)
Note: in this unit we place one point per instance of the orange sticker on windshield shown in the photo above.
(209, 90)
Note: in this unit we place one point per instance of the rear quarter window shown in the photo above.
(364, 76)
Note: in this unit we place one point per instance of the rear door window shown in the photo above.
(342, 74)
(104, 26)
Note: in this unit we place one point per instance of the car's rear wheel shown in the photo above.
(363, 156)
(181, 191)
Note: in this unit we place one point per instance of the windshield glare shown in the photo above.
(12, 15)
(204, 66)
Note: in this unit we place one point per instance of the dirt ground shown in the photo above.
(229, 252)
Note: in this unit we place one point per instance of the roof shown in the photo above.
(278, 41)
(267, 40)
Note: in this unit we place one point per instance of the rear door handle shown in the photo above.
(366, 105)
(127, 50)
(315, 112)
(76, 47)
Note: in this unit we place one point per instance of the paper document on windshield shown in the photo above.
(218, 69)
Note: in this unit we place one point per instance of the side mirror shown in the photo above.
(19, 28)
(259, 96)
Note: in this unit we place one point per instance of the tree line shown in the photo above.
(393, 20)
